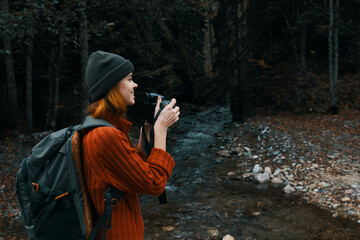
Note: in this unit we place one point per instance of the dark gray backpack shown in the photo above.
(51, 189)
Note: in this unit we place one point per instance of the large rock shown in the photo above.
(289, 189)
(256, 168)
(262, 178)
(277, 171)
(268, 170)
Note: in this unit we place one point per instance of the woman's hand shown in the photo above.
(168, 116)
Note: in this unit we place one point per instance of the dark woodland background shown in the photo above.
(260, 57)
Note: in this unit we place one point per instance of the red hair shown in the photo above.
(113, 102)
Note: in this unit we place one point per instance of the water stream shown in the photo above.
(202, 205)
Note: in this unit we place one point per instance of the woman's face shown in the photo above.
(127, 87)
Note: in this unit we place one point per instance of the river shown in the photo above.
(204, 205)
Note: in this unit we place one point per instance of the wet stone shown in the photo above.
(277, 171)
(224, 153)
(247, 149)
(167, 228)
(289, 189)
(276, 181)
(262, 178)
(246, 175)
(268, 171)
(255, 213)
(256, 168)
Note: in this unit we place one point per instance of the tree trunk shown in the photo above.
(56, 57)
(29, 117)
(207, 49)
(331, 41)
(237, 41)
(241, 94)
(30, 48)
(84, 44)
(297, 79)
(303, 70)
(150, 22)
(12, 102)
(50, 89)
(57, 82)
(336, 57)
(211, 30)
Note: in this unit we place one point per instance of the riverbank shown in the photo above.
(316, 157)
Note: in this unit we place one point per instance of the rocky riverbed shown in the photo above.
(316, 157)
(211, 192)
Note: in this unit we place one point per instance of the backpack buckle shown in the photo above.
(113, 202)
(35, 187)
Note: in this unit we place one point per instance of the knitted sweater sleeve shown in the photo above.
(141, 153)
(118, 164)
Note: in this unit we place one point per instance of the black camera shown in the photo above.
(145, 105)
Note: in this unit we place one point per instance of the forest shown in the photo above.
(269, 92)
(260, 57)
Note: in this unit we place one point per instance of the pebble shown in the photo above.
(224, 153)
(345, 199)
(214, 233)
(315, 165)
(167, 228)
(290, 177)
(228, 237)
(256, 214)
(247, 149)
(324, 185)
(276, 153)
(349, 191)
(246, 175)
(276, 181)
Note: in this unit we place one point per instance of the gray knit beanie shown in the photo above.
(103, 71)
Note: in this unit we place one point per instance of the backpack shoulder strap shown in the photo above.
(112, 195)
(90, 122)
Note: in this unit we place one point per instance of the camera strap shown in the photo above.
(148, 147)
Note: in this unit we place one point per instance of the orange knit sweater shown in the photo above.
(109, 160)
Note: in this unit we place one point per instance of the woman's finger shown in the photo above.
(157, 107)
(172, 103)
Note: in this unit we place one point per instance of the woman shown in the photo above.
(110, 158)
